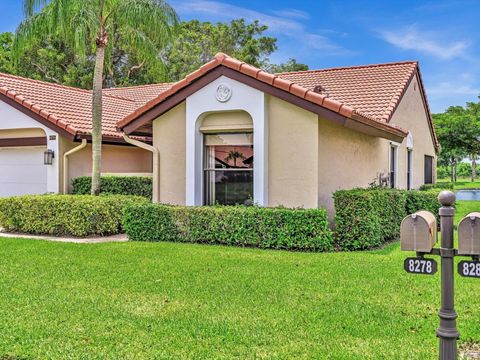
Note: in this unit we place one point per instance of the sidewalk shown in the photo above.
(89, 240)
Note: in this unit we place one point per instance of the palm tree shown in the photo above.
(148, 25)
(234, 155)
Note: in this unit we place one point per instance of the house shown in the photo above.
(36, 116)
(231, 133)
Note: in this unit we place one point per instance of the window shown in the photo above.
(393, 166)
(428, 169)
(409, 169)
(228, 168)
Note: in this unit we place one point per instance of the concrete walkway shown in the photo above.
(89, 240)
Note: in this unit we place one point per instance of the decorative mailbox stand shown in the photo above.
(418, 232)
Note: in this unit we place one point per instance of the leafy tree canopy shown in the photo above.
(458, 131)
(195, 43)
(289, 66)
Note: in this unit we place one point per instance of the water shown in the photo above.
(469, 195)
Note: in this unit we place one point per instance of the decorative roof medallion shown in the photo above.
(224, 93)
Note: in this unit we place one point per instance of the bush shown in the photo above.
(423, 200)
(68, 215)
(274, 228)
(439, 185)
(367, 218)
(115, 185)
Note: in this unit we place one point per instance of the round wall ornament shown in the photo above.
(224, 93)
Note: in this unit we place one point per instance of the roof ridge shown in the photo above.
(44, 82)
(351, 67)
(139, 86)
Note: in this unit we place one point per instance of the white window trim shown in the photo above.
(409, 175)
(396, 147)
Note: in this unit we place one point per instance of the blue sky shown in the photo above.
(442, 35)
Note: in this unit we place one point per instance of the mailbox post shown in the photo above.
(418, 233)
(447, 331)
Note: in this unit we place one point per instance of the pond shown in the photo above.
(469, 195)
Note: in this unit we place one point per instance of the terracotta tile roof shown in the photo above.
(368, 113)
(367, 94)
(373, 90)
(70, 108)
(140, 94)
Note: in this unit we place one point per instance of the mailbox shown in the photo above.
(418, 232)
(469, 235)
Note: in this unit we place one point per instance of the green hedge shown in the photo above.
(65, 215)
(423, 200)
(368, 218)
(115, 185)
(274, 228)
(439, 185)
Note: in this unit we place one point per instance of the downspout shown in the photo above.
(65, 163)
(155, 165)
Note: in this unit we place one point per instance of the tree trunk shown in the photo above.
(452, 176)
(474, 168)
(97, 109)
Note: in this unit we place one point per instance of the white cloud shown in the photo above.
(411, 38)
(448, 88)
(284, 22)
(292, 14)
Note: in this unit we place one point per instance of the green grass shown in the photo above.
(166, 300)
(462, 208)
(463, 183)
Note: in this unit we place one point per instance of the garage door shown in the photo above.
(22, 171)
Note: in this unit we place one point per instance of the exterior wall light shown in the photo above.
(48, 157)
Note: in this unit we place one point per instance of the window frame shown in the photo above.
(206, 170)
(409, 168)
(393, 173)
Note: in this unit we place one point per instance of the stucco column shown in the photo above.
(204, 101)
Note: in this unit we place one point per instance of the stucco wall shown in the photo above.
(411, 115)
(293, 149)
(346, 159)
(115, 159)
(21, 133)
(169, 139)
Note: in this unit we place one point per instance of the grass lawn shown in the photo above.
(166, 300)
(463, 184)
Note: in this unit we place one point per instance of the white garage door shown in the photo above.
(22, 171)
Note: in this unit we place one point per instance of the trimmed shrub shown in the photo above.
(439, 185)
(423, 200)
(115, 185)
(66, 215)
(273, 228)
(367, 218)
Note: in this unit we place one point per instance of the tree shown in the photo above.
(234, 155)
(198, 42)
(54, 60)
(458, 131)
(86, 25)
(289, 66)
(6, 63)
